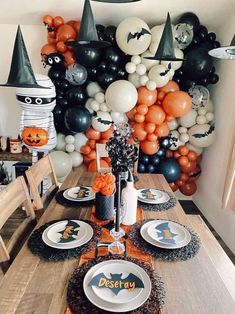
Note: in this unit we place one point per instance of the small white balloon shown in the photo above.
(94, 105)
(147, 62)
(93, 88)
(103, 107)
(77, 159)
(173, 124)
(189, 119)
(60, 142)
(184, 137)
(143, 80)
(69, 139)
(99, 97)
(80, 140)
(141, 69)
(156, 32)
(134, 78)
(151, 85)
(176, 142)
(87, 105)
(202, 112)
(209, 106)
(209, 116)
(69, 148)
(62, 163)
(182, 130)
(130, 67)
(201, 119)
(119, 118)
(136, 59)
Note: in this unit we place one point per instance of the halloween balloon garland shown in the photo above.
(135, 79)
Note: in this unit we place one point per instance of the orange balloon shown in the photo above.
(192, 155)
(155, 115)
(162, 130)
(139, 131)
(51, 40)
(171, 86)
(189, 167)
(91, 143)
(48, 48)
(69, 58)
(85, 149)
(179, 183)
(86, 160)
(131, 140)
(173, 186)
(77, 26)
(184, 177)
(177, 103)
(71, 22)
(169, 118)
(152, 137)
(189, 188)
(93, 167)
(107, 134)
(139, 118)
(131, 114)
(176, 154)
(149, 148)
(58, 21)
(161, 95)
(65, 32)
(51, 34)
(93, 134)
(61, 47)
(48, 20)
(142, 109)
(149, 127)
(183, 150)
(183, 161)
(108, 160)
(146, 97)
(169, 153)
(103, 141)
(92, 154)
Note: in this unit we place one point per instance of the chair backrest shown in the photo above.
(35, 175)
(101, 152)
(12, 197)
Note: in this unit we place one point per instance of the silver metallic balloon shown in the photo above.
(183, 35)
(76, 74)
(200, 96)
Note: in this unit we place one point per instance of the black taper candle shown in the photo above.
(117, 200)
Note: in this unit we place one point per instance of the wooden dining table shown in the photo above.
(204, 284)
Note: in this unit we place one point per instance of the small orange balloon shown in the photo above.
(149, 127)
(183, 161)
(108, 160)
(58, 21)
(192, 155)
(48, 20)
(146, 97)
(93, 167)
(77, 26)
(71, 22)
(151, 137)
(50, 40)
(173, 186)
(48, 48)
(155, 115)
(169, 118)
(65, 32)
(179, 183)
(142, 109)
(162, 130)
(161, 95)
(189, 188)
(176, 154)
(131, 114)
(86, 160)
(149, 148)
(139, 131)
(93, 134)
(189, 167)
(69, 58)
(85, 149)
(91, 143)
(171, 86)
(61, 47)
(107, 134)
(139, 118)
(51, 34)
(103, 141)
(183, 150)
(184, 177)
(177, 103)
(92, 154)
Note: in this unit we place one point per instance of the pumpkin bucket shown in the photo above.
(33, 136)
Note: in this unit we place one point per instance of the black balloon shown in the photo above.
(198, 64)
(165, 142)
(213, 78)
(105, 79)
(170, 169)
(62, 84)
(101, 67)
(211, 36)
(100, 28)
(154, 160)
(191, 19)
(150, 168)
(141, 168)
(143, 159)
(77, 119)
(92, 74)
(121, 73)
(109, 33)
(113, 55)
(62, 102)
(202, 32)
(161, 152)
(112, 68)
(76, 95)
(55, 73)
(88, 57)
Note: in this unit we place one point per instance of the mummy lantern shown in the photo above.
(37, 117)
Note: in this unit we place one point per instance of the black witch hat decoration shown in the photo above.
(226, 52)
(21, 72)
(117, 1)
(165, 50)
(88, 36)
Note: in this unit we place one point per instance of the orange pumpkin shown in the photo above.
(33, 136)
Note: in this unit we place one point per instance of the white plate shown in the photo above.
(71, 245)
(54, 233)
(73, 194)
(124, 295)
(167, 232)
(112, 307)
(152, 196)
(147, 238)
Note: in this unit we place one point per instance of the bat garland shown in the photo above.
(199, 135)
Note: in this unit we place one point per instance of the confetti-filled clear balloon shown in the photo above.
(183, 35)
(200, 96)
(76, 74)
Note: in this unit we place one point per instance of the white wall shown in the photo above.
(215, 158)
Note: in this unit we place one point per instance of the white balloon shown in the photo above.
(151, 85)
(159, 75)
(176, 142)
(184, 137)
(209, 116)
(202, 112)
(201, 119)
(197, 150)
(141, 69)
(134, 78)
(94, 105)
(99, 97)
(143, 80)
(209, 106)
(136, 59)
(148, 63)
(93, 88)
(62, 163)
(175, 65)
(80, 140)
(61, 180)
(69, 148)
(130, 37)
(121, 96)
(189, 119)
(119, 118)
(173, 124)
(182, 130)
(103, 107)
(153, 47)
(202, 135)
(60, 142)
(88, 103)
(102, 121)
(156, 32)
(130, 67)
(77, 159)
(69, 139)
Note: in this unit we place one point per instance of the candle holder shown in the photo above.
(117, 247)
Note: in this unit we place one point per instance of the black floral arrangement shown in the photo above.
(122, 153)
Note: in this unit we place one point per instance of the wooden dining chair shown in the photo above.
(42, 169)
(101, 152)
(12, 197)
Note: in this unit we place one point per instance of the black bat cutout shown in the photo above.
(106, 122)
(116, 283)
(137, 35)
(68, 232)
(199, 135)
(167, 70)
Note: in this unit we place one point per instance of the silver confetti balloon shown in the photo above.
(183, 35)
(76, 74)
